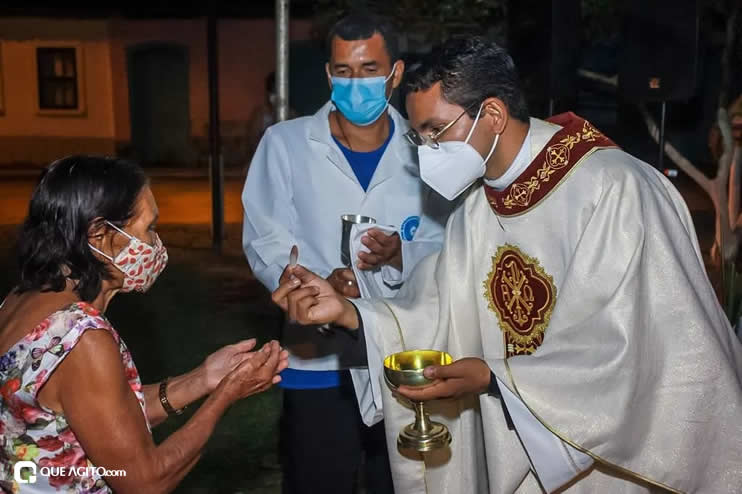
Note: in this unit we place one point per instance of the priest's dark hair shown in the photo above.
(471, 70)
(73, 194)
(362, 25)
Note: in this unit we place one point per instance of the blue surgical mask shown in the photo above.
(362, 100)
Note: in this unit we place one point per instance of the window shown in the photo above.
(58, 72)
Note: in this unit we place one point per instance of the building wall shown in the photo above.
(124, 34)
(28, 134)
(246, 57)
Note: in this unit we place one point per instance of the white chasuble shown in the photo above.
(582, 286)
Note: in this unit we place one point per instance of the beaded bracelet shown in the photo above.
(165, 403)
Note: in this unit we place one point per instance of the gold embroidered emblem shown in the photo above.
(521, 194)
(522, 295)
(557, 156)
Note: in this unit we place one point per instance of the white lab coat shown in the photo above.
(298, 186)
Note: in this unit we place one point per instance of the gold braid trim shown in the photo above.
(629, 473)
(553, 189)
(399, 328)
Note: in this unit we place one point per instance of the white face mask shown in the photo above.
(454, 166)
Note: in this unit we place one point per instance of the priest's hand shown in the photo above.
(343, 280)
(468, 375)
(310, 299)
(385, 249)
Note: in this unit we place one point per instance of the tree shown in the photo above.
(425, 22)
(724, 187)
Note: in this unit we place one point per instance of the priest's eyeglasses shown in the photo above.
(431, 139)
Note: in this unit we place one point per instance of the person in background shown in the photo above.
(70, 394)
(717, 146)
(262, 117)
(348, 158)
(715, 139)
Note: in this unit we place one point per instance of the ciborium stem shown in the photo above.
(422, 421)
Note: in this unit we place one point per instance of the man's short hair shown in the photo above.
(471, 70)
(358, 26)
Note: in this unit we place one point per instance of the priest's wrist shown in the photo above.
(492, 388)
(349, 318)
(484, 377)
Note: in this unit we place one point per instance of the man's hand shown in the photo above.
(343, 280)
(310, 299)
(385, 249)
(468, 375)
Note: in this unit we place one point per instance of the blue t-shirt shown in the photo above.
(364, 165)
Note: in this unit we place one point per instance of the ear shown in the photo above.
(398, 73)
(496, 109)
(97, 233)
(329, 77)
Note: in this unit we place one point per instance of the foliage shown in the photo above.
(430, 21)
(600, 19)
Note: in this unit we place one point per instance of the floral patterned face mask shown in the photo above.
(141, 263)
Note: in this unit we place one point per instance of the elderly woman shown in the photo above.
(70, 395)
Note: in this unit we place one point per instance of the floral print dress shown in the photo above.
(31, 432)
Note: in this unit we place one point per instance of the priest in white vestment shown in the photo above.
(592, 354)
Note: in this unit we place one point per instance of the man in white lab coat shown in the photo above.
(592, 353)
(348, 158)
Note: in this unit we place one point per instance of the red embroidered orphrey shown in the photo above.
(574, 141)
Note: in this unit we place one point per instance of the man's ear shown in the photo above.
(398, 73)
(498, 111)
(329, 77)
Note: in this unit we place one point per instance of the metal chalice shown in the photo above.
(348, 220)
(406, 368)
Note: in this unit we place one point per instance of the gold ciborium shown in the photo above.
(406, 368)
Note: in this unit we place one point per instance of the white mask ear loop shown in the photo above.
(471, 131)
(99, 252)
(394, 67)
(476, 119)
(118, 230)
(492, 149)
(329, 77)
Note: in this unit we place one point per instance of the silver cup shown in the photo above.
(348, 221)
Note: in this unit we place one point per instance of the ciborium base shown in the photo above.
(435, 438)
